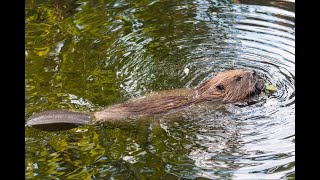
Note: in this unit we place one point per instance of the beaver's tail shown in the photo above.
(55, 120)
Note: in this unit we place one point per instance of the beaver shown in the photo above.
(226, 87)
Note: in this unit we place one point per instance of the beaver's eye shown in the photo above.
(238, 78)
(219, 87)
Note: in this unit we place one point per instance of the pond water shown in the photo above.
(85, 55)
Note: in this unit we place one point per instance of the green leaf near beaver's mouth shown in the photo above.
(270, 88)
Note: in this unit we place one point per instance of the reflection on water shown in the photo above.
(86, 55)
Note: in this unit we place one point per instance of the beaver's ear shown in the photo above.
(220, 87)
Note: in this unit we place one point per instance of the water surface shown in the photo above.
(85, 55)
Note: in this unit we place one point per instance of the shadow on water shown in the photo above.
(56, 127)
(85, 55)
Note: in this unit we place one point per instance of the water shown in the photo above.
(85, 55)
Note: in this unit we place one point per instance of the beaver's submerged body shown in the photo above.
(225, 87)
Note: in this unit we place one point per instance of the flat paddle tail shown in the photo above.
(55, 120)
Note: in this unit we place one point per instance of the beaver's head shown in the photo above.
(231, 86)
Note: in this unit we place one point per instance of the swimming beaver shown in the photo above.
(226, 87)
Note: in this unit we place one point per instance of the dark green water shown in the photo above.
(85, 55)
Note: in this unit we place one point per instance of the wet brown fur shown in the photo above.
(225, 87)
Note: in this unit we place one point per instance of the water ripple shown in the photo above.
(261, 38)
